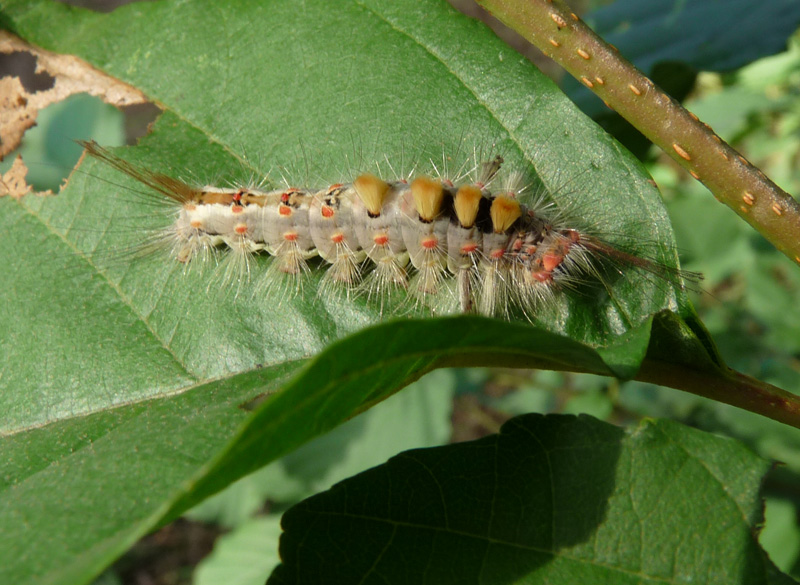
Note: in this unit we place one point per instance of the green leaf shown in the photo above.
(369, 366)
(121, 381)
(551, 499)
(417, 417)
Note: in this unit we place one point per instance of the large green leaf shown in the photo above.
(554, 499)
(120, 382)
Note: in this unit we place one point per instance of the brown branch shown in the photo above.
(558, 32)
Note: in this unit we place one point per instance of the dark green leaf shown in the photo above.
(553, 499)
(710, 35)
(706, 35)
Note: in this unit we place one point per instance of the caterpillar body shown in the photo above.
(455, 244)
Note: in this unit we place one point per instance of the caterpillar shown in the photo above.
(465, 243)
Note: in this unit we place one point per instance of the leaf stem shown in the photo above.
(728, 386)
(718, 383)
(559, 33)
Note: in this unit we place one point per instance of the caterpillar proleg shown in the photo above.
(454, 244)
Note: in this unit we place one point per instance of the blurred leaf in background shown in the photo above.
(419, 416)
(672, 41)
(50, 149)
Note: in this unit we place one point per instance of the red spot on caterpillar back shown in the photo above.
(551, 260)
(430, 243)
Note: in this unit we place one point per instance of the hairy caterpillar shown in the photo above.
(465, 243)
